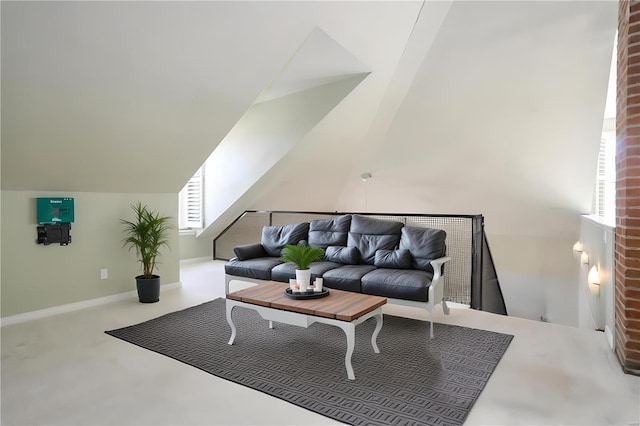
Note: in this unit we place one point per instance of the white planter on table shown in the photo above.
(303, 278)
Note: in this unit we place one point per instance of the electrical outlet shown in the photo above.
(104, 273)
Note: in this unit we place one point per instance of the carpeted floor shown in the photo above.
(413, 381)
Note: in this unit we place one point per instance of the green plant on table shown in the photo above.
(301, 255)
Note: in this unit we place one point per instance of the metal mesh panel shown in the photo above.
(245, 230)
(458, 276)
(457, 279)
(284, 218)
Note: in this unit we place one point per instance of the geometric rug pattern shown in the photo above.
(414, 380)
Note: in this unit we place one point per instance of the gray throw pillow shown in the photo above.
(392, 259)
(249, 251)
(344, 255)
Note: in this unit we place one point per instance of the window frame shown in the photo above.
(191, 202)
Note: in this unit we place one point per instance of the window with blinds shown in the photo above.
(190, 213)
(605, 192)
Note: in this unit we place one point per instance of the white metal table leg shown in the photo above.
(374, 336)
(230, 306)
(302, 320)
(350, 332)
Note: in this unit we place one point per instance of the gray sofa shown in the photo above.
(384, 258)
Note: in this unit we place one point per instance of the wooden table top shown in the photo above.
(339, 304)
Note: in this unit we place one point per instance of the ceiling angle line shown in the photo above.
(415, 23)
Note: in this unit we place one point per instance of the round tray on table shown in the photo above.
(307, 294)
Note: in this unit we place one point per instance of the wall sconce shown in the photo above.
(594, 276)
(578, 246)
(584, 258)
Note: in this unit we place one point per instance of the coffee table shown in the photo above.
(341, 309)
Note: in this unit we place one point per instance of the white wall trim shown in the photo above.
(606, 223)
(195, 260)
(71, 307)
(610, 339)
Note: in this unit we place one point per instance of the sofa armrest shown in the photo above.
(437, 266)
(436, 289)
(249, 251)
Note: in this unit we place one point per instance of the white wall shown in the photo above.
(193, 247)
(36, 277)
(537, 276)
(597, 303)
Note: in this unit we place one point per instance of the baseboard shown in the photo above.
(195, 260)
(610, 339)
(71, 307)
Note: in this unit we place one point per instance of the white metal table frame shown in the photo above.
(305, 320)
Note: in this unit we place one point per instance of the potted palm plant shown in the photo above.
(302, 256)
(147, 233)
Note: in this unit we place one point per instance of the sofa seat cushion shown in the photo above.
(285, 271)
(329, 232)
(346, 277)
(259, 268)
(274, 238)
(398, 284)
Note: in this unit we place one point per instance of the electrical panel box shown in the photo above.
(55, 210)
(58, 233)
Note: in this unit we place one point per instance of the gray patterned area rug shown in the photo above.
(414, 380)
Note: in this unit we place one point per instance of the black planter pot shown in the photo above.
(148, 288)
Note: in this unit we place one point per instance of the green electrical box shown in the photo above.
(55, 210)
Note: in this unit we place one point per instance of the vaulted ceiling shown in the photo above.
(133, 96)
(491, 107)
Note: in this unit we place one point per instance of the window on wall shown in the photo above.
(604, 200)
(190, 212)
(605, 196)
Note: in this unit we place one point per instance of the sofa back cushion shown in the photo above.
(274, 238)
(370, 235)
(329, 232)
(425, 245)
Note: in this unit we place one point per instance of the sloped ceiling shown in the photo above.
(503, 117)
(470, 107)
(316, 79)
(134, 96)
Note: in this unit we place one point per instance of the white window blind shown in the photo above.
(605, 196)
(191, 200)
